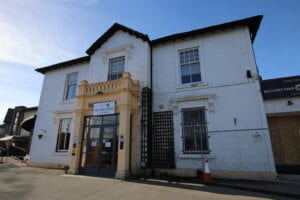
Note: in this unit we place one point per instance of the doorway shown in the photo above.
(99, 148)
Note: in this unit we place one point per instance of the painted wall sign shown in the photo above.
(281, 87)
(104, 108)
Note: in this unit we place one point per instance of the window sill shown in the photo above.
(196, 156)
(68, 101)
(192, 85)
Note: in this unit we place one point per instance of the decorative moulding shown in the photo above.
(194, 98)
(60, 114)
(209, 98)
(125, 48)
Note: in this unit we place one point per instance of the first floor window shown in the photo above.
(63, 138)
(194, 129)
(116, 68)
(71, 86)
(190, 66)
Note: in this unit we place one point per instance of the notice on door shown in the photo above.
(104, 108)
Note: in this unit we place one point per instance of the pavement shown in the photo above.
(20, 182)
(286, 187)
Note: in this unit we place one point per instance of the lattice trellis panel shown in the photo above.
(146, 123)
(163, 133)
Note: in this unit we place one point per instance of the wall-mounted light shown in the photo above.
(248, 74)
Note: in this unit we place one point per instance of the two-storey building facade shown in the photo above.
(165, 104)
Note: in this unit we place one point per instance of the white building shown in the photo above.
(187, 97)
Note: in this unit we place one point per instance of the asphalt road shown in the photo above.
(20, 182)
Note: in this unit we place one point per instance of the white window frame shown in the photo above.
(67, 86)
(202, 127)
(66, 137)
(189, 63)
(109, 73)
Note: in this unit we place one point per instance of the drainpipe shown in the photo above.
(151, 67)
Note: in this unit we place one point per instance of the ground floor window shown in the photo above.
(194, 130)
(63, 138)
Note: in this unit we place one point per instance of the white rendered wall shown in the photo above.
(226, 92)
(281, 107)
(137, 58)
(51, 109)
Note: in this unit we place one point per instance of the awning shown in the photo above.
(28, 123)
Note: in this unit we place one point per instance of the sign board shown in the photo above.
(104, 108)
(281, 87)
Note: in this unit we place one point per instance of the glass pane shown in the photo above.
(94, 133)
(92, 158)
(109, 119)
(196, 78)
(61, 141)
(189, 142)
(118, 117)
(96, 120)
(185, 70)
(67, 142)
(196, 54)
(192, 56)
(72, 78)
(195, 68)
(181, 55)
(93, 147)
(185, 79)
(116, 67)
(107, 145)
(113, 77)
(65, 125)
(71, 92)
(186, 57)
(191, 117)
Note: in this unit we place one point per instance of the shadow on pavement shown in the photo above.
(215, 188)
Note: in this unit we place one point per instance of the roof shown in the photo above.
(114, 28)
(252, 22)
(64, 64)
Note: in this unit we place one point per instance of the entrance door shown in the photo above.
(100, 146)
(107, 153)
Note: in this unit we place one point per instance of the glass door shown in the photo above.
(108, 151)
(91, 150)
(99, 151)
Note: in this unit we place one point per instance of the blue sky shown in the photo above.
(36, 33)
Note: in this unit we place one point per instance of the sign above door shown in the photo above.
(104, 108)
